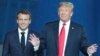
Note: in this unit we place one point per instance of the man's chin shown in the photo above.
(23, 29)
(64, 20)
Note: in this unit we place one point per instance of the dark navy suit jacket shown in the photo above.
(12, 46)
(76, 39)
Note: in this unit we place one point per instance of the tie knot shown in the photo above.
(22, 33)
(64, 24)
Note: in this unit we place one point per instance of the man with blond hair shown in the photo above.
(65, 37)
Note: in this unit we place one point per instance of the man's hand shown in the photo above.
(92, 49)
(34, 40)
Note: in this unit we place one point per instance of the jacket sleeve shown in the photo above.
(83, 42)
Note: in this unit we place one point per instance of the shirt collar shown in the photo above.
(68, 22)
(19, 30)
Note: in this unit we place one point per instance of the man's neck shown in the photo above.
(23, 30)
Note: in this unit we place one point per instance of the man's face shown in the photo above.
(23, 21)
(65, 13)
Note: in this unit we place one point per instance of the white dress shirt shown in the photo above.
(26, 34)
(66, 32)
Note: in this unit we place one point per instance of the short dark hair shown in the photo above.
(24, 12)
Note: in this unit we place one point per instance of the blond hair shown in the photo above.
(68, 4)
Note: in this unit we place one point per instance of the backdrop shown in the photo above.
(86, 12)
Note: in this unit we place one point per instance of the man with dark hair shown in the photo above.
(17, 42)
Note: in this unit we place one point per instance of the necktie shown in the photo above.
(61, 41)
(23, 40)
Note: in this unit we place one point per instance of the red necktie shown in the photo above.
(61, 41)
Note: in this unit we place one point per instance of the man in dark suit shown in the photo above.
(17, 42)
(64, 37)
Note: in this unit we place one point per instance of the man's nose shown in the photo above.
(23, 21)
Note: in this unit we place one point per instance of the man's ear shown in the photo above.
(17, 21)
(72, 14)
(30, 21)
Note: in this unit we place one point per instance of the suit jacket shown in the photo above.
(12, 46)
(76, 39)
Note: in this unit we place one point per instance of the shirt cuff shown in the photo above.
(36, 48)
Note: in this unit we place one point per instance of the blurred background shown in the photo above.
(86, 12)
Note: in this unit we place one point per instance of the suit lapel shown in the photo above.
(56, 31)
(27, 43)
(17, 39)
(70, 34)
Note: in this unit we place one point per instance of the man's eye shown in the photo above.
(26, 19)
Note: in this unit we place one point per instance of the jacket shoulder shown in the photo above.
(12, 32)
(34, 32)
(53, 23)
(76, 25)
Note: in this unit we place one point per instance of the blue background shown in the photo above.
(86, 12)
